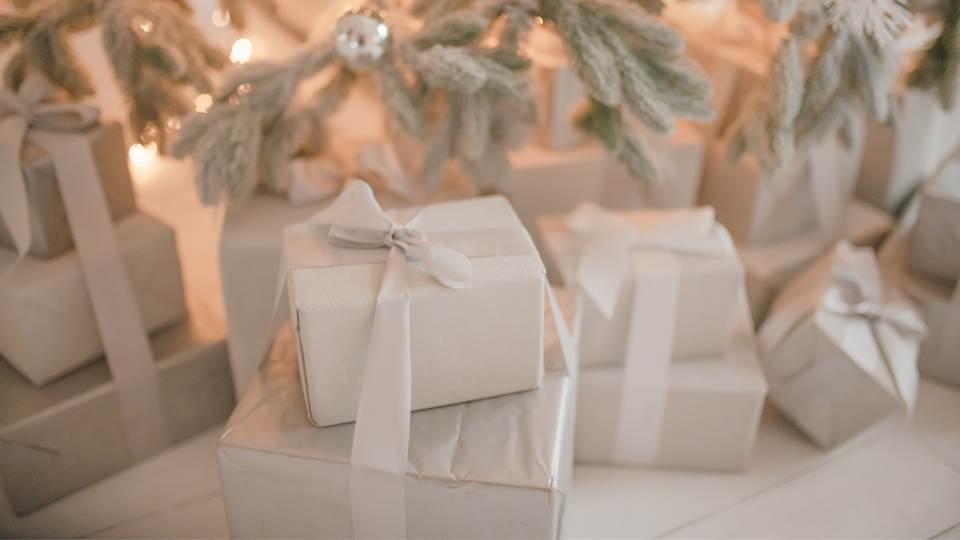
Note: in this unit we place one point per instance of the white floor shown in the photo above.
(900, 482)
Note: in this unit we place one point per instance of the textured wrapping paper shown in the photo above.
(712, 410)
(480, 341)
(50, 232)
(47, 324)
(840, 348)
(934, 247)
(770, 267)
(69, 434)
(493, 468)
(809, 194)
(558, 90)
(900, 155)
(679, 161)
(704, 305)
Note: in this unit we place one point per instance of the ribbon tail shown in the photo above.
(14, 205)
(450, 267)
(382, 432)
(121, 328)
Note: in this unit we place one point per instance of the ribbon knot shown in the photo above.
(403, 237)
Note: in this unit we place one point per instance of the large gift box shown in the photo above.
(678, 160)
(47, 322)
(934, 248)
(769, 267)
(840, 348)
(71, 432)
(493, 468)
(474, 293)
(704, 415)
(627, 261)
(50, 234)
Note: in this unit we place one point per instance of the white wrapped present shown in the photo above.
(671, 273)
(934, 248)
(409, 310)
(493, 468)
(840, 348)
(769, 267)
(558, 91)
(715, 398)
(678, 160)
(808, 194)
(47, 322)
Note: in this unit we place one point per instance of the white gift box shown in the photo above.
(840, 348)
(70, 433)
(47, 324)
(934, 248)
(708, 283)
(558, 91)
(679, 163)
(900, 155)
(493, 468)
(464, 343)
(770, 267)
(810, 193)
(709, 419)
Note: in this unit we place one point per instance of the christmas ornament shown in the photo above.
(361, 38)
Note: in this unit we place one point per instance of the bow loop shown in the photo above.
(31, 103)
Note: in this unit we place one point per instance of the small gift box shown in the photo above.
(769, 267)
(934, 247)
(676, 266)
(452, 292)
(558, 91)
(719, 398)
(758, 207)
(492, 468)
(72, 432)
(679, 163)
(49, 231)
(47, 321)
(840, 348)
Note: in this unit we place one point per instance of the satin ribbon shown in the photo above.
(612, 242)
(873, 321)
(54, 127)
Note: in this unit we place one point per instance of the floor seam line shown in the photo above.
(198, 498)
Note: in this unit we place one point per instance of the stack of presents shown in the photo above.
(432, 366)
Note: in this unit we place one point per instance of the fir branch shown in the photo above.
(937, 71)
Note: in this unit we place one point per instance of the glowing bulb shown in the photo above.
(241, 51)
(141, 154)
(220, 18)
(203, 103)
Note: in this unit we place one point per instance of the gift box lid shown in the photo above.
(513, 440)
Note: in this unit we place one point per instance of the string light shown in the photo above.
(141, 154)
(203, 102)
(220, 18)
(241, 51)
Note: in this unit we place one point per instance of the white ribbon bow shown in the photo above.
(355, 220)
(20, 113)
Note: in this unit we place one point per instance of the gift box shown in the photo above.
(934, 247)
(758, 207)
(839, 348)
(465, 341)
(49, 231)
(558, 91)
(69, 433)
(680, 258)
(493, 468)
(769, 267)
(47, 322)
(679, 163)
(713, 398)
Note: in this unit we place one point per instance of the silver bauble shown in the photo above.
(361, 38)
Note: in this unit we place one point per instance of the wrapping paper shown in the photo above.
(47, 324)
(69, 434)
(558, 91)
(679, 161)
(492, 468)
(465, 344)
(50, 232)
(708, 288)
(770, 267)
(809, 194)
(840, 348)
(935, 237)
(716, 399)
